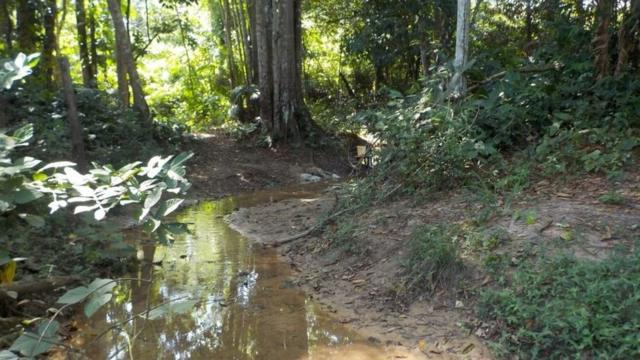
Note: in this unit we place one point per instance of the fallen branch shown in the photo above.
(322, 223)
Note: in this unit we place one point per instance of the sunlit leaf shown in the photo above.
(74, 296)
(95, 303)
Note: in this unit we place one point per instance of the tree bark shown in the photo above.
(264, 59)
(604, 9)
(88, 77)
(93, 45)
(127, 62)
(49, 46)
(26, 26)
(253, 46)
(458, 83)
(226, 21)
(627, 39)
(6, 26)
(77, 137)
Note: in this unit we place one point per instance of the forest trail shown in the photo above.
(222, 166)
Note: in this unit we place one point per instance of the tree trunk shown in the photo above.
(253, 46)
(627, 36)
(88, 77)
(264, 59)
(77, 138)
(424, 47)
(93, 47)
(126, 61)
(6, 26)
(26, 26)
(601, 39)
(462, 48)
(48, 62)
(226, 21)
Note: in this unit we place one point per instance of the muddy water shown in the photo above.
(246, 306)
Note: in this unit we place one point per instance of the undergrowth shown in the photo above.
(433, 259)
(562, 307)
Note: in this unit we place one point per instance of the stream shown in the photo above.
(246, 306)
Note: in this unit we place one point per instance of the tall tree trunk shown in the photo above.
(6, 26)
(93, 43)
(226, 21)
(264, 58)
(124, 53)
(26, 26)
(88, 77)
(291, 119)
(462, 48)
(48, 62)
(424, 47)
(627, 36)
(604, 9)
(77, 137)
(253, 46)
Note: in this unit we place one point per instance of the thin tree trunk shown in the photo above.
(226, 21)
(424, 47)
(6, 26)
(49, 46)
(627, 39)
(81, 25)
(251, 9)
(93, 43)
(123, 51)
(77, 137)
(601, 38)
(458, 84)
(265, 70)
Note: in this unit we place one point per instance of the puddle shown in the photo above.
(246, 306)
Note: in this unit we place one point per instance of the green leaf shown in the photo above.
(8, 355)
(82, 208)
(95, 303)
(100, 214)
(102, 285)
(170, 206)
(74, 296)
(74, 177)
(153, 197)
(30, 344)
(33, 220)
(56, 165)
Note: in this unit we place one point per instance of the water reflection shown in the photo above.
(245, 309)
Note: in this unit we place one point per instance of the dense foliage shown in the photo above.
(562, 307)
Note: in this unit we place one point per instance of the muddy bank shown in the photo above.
(357, 288)
(363, 287)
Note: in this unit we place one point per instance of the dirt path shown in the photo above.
(223, 167)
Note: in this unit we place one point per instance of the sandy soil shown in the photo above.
(362, 289)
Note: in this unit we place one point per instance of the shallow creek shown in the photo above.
(247, 308)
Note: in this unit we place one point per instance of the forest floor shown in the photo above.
(222, 166)
(363, 287)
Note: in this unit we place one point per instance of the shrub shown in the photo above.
(563, 307)
(433, 260)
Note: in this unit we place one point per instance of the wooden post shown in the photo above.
(77, 137)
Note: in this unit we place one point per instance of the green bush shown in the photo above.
(563, 307)
(433, 260)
